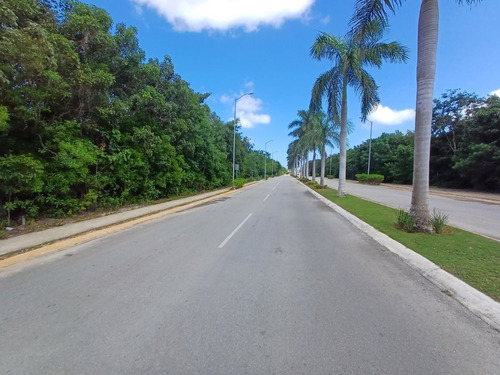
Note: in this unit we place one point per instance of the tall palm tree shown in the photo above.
(299, 129)
(365, 13)
(350, 55)
(329, 136)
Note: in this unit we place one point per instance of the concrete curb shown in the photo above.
(477, 302)
(36, 239)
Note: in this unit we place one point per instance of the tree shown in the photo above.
(299, 130)
(350, 55)
(365, 13)
(478, 160)
(452, 114)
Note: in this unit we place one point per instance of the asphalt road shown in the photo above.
(477, 217)
(265, 281)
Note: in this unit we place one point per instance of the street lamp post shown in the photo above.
(234, 129)
(265, 159)
(370, 147)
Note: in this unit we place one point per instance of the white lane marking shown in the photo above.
(276, 185)
(234, 232)
(266, 197)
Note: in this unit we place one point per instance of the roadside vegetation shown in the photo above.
(472, 258)
(465, 147)
(87, 123)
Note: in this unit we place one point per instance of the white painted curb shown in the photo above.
(477, 302)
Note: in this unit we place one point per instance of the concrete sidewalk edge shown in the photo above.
(34, 240)
(477, 302)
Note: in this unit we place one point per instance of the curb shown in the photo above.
(33, 240)
(477, 302)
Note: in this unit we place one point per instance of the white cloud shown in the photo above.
(387, 116)
(325, 21)
(198, 15)
(248, 108)
(247, 111)
(496, 92)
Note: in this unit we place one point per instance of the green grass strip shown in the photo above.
(472, 258)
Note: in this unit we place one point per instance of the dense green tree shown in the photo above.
(478, 161)
(86, 121)
(452, 113)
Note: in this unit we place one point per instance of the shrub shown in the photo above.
(439, 221)
(370, 179)
(405, 221)
(239, 182)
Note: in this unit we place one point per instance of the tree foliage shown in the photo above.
(465, 146)
(87, 121)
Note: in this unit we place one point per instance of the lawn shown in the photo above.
(472, 258)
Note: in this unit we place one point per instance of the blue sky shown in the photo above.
(230, 47)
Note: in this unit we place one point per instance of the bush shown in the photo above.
(315, 185)
(439, 221)
(239, 182)
(405, 221)
(370, 179)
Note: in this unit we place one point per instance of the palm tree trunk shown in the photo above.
(343, 142)
(323, 165)
(307, 164)
(314, 165)
(426, 71)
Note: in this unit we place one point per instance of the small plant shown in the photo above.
(439, 221)
(370, 179)
(405, 221)
(239, 182)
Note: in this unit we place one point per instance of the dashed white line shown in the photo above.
(266, 197)
(234, 232)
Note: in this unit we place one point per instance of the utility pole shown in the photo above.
(234, 129)
(370, 147)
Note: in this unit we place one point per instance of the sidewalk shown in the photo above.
(35, 239)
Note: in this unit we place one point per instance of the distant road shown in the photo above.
(268, 280)
(474, 216)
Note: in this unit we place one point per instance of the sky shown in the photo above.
(231, 47)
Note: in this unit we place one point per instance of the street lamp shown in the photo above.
(265, 159)
(234, 129)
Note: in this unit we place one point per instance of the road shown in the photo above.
(265, 281)
(477, 217)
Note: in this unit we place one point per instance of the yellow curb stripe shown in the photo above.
(85, 237)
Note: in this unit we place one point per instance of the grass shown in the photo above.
(472, 258)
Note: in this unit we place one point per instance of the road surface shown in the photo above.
(265, 281)
(478, 217)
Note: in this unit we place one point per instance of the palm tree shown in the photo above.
(300, 128)
(350, 55)
(368, 11)
(329, 136)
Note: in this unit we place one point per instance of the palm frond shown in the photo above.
(368, 90)
(393, 52)
(327, 46)
(368, 10)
